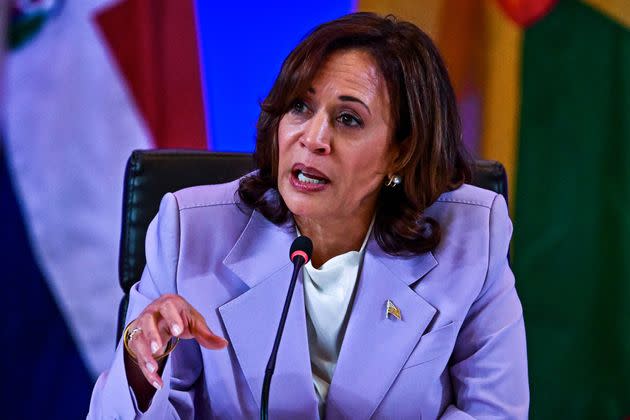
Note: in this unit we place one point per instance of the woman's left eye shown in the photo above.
(349, 120)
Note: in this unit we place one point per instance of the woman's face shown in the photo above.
(335, 144)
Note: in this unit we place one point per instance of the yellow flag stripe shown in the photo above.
(501, 91)
(618, 10)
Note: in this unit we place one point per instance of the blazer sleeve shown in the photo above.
(489, 362)
(112, 397)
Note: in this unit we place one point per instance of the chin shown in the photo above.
(300, 207)
(307, 207)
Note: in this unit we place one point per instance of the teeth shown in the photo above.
(303, 178)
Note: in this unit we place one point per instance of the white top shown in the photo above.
(327, 294)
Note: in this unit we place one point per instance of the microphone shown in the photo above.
(302, 247)
(299, 254)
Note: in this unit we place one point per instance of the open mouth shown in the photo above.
(304, 177)
(308, 176)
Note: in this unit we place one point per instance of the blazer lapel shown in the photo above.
(260, 258)
(375, 348)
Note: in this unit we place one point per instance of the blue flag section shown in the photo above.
(43, 375)
(243, 45)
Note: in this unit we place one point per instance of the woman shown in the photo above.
(408, 308)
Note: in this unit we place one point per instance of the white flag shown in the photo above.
(71, 125)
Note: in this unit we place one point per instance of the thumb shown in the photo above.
(205, 337)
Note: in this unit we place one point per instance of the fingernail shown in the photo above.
(156, 385)
(154, 347)
(150, 367)
(176, 330)
(225, 341)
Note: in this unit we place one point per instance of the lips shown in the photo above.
(308, 179)
(307, 173)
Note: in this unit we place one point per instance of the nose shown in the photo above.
(317, 136)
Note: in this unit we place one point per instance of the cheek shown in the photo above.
(282, 134)
(365, 172)
(363, 176)
(372, 162)
(286, 139)
(283, 146)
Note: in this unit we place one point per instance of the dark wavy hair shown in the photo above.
(423, 107)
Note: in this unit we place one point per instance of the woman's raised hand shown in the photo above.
(166, 317)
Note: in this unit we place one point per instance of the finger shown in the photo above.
(151, 331)
(204, 335)
(145, 361)
(170, 313)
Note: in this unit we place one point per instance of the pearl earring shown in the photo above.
(393, 180)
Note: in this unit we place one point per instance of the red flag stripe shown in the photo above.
(154, 43)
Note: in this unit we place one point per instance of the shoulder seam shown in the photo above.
(218, 203)
(470, 202)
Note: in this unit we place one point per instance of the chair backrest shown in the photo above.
(152, 173)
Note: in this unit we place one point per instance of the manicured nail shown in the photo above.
(176, 330)
(154, 347)
(150, 367)
(156, 385)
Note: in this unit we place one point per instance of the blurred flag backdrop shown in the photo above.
(542, 87)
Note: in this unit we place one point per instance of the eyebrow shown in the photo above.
(346, 98)
(353, 99)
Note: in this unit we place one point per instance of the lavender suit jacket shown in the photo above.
(458, 352)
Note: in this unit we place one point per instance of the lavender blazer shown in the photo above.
(458, 352)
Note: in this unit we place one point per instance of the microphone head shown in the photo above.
(302, 246)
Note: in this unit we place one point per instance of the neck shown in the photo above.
(333, 237)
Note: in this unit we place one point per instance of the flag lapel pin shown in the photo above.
(392, 310)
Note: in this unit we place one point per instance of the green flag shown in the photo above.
(572, 219)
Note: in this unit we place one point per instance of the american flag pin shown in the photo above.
(392, 310)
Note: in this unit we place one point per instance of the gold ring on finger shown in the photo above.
(133, 333)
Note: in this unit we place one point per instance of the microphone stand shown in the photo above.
(298, 262)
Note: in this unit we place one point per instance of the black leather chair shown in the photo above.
(152, 173)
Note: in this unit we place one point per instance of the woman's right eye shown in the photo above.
(299, 107)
